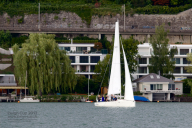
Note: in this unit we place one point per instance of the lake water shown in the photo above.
(86, 115)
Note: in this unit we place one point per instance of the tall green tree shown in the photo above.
(161, 57)
(189, 70)
(48, 68)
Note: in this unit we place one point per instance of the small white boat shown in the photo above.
(28, 100)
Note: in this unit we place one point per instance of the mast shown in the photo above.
(88, 87)
(25, 83)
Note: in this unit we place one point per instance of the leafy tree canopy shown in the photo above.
(161, 57)
(46, 67)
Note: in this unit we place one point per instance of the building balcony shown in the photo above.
(8, 84)
(162, 91)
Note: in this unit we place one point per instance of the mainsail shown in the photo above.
(115, 77)
(128, 84)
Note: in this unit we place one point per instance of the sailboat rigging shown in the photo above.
(115, 78)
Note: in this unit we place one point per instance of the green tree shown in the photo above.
(161, 58)
(188, 82)
(48, 68)
(5, 39)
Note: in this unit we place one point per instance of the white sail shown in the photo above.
(128, 84)
(115, 77)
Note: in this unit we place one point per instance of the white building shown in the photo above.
(83, 57)
(158, 88)
(180, 73)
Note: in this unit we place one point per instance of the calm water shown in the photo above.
(86, 115)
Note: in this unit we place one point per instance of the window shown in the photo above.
(177, 60)
(142, 60)
(72, 58)
(92, 68)
(65, 48)
(95, 59)
(151, 76)
(84, 59)
(153, 86)
(171, 86)
(81, 49)
(184, 51)
(149, 60)
(185, 61)
(177, 70)
(159, 87)
(142, 69)
(158, 77)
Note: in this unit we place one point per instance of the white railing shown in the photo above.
(160, 91)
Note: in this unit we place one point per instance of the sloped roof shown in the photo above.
(152, 77)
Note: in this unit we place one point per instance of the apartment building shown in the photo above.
(83, 57)
(180, 73)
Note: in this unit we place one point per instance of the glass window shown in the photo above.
(149, 60)
(185, 61)
(154, 87)
(173, 86)
(151, 86)
(169, 86)
(72, 58)
(142, 69)
(159, 86)
(184, 51)
(177, 60)
(142, 60)
(81, 49)
(177, 70)
(92, 68)
(84, 59)
(61, 48)
(67, 48)
(95, 59)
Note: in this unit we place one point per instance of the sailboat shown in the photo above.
(27, 100)
(115, 78)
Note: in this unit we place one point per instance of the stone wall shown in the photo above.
(180, 25)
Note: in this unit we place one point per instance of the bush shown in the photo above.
(63, 98)
(70, 98)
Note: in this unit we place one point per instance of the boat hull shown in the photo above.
(32, 101)
(28, 100)
(118, 103)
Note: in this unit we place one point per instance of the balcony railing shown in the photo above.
(160, 91)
